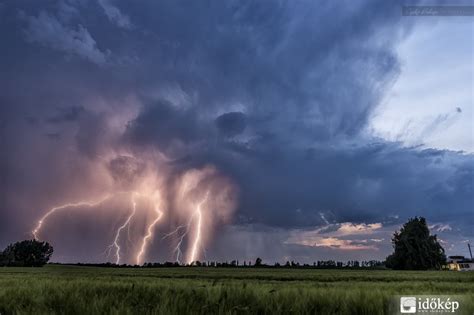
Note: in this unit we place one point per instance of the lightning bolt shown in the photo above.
(149, 233)
(115, 243)
(42, 220)
(177, 249)
(174, 232)
(197, 238)
(190, 235)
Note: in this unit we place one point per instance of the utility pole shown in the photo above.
(470, 252)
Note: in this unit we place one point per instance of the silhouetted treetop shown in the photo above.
(29, 253)
(415, 248)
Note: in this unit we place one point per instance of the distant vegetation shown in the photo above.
(415, 248)
(30, 253)
(320, 264)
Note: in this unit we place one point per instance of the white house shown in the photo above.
(460, 263)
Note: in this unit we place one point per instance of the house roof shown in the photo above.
(465, 261)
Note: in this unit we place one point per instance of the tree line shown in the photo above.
(321, 264)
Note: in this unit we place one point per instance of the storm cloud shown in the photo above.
(277, 95)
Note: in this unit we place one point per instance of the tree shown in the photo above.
(30, 253)
(258, 262)
(415, 248)
(3, 259)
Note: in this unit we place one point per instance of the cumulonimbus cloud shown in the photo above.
(275, 95)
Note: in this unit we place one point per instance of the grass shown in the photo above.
(58, 289)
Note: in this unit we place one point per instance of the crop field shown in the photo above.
(59, 289)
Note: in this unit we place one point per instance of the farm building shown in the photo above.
(460, 263)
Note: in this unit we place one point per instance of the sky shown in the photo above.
(222, 130)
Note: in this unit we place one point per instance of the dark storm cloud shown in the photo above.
(363, 184)
(231, 124)
(47, 30)
(125, 170)
(66, 114)
(161, 124)
(276, 94)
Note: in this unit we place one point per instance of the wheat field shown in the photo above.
(61, 289)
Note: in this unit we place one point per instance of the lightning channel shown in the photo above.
(197, 237)
(42, 220)
(177, 249)
(115, 243)
(150, 231)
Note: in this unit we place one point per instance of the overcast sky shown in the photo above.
(336, 121)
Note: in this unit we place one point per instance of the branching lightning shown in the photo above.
(186, 200)
(150, 230)
(116, 244)
(177, 249)
(197, 237)
(41, 221)
(196, 242)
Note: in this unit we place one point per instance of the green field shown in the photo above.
(194, 290)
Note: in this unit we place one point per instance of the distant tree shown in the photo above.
(30, 253)
(258, 262)
(415, 248)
